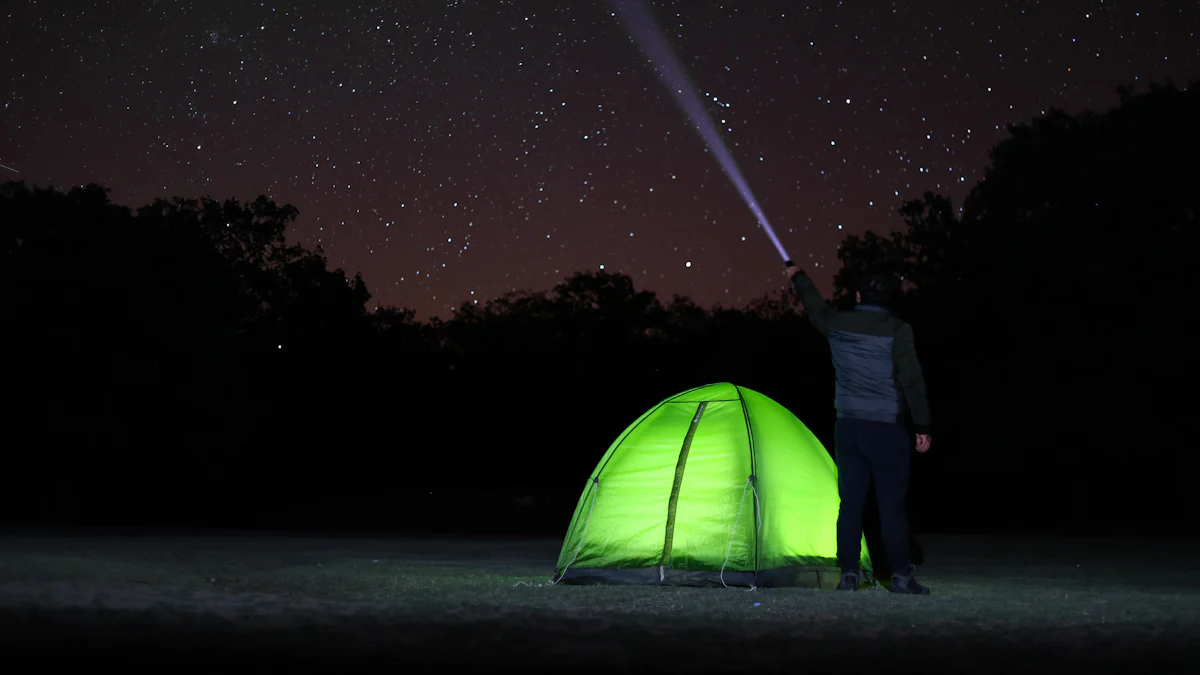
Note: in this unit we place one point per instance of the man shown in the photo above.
(878, 379)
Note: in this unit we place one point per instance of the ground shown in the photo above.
(998, 605)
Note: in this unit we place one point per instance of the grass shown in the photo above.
(999, 604)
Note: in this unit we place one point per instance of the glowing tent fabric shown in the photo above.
(716, 485)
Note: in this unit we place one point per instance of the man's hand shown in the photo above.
(922, 442)
(790, 271)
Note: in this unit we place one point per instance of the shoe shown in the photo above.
(849, 581)
(908, 585)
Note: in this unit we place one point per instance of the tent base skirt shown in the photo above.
(826, 577)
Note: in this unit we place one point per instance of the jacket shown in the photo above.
(874, 357)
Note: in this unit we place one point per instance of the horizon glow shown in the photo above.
(641, 25)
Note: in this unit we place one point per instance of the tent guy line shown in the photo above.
(595, 487)
(733, 532)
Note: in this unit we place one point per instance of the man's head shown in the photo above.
(876, 288)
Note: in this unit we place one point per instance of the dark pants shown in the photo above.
(869, 451)
(879, 562)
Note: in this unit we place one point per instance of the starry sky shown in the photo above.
(454, 150)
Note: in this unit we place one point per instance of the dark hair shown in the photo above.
(878, 288)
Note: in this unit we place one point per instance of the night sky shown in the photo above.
(452, 151)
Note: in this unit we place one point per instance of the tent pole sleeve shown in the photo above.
(680, 465)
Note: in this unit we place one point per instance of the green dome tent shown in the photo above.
(718, 485)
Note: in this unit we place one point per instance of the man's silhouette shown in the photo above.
(878, 380)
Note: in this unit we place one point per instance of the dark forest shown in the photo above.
(182, 363)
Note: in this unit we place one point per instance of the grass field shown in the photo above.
(998, 605)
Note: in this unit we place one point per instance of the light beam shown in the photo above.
(641, 25)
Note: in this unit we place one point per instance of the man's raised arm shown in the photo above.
(818, 311)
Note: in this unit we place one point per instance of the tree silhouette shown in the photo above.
(1057, 287)
(185, 355)
(136, 332)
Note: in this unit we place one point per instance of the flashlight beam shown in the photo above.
(9, 168)
(642, 26)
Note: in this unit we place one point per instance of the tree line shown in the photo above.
(182, 363)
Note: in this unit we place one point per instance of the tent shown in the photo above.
(718, 485)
